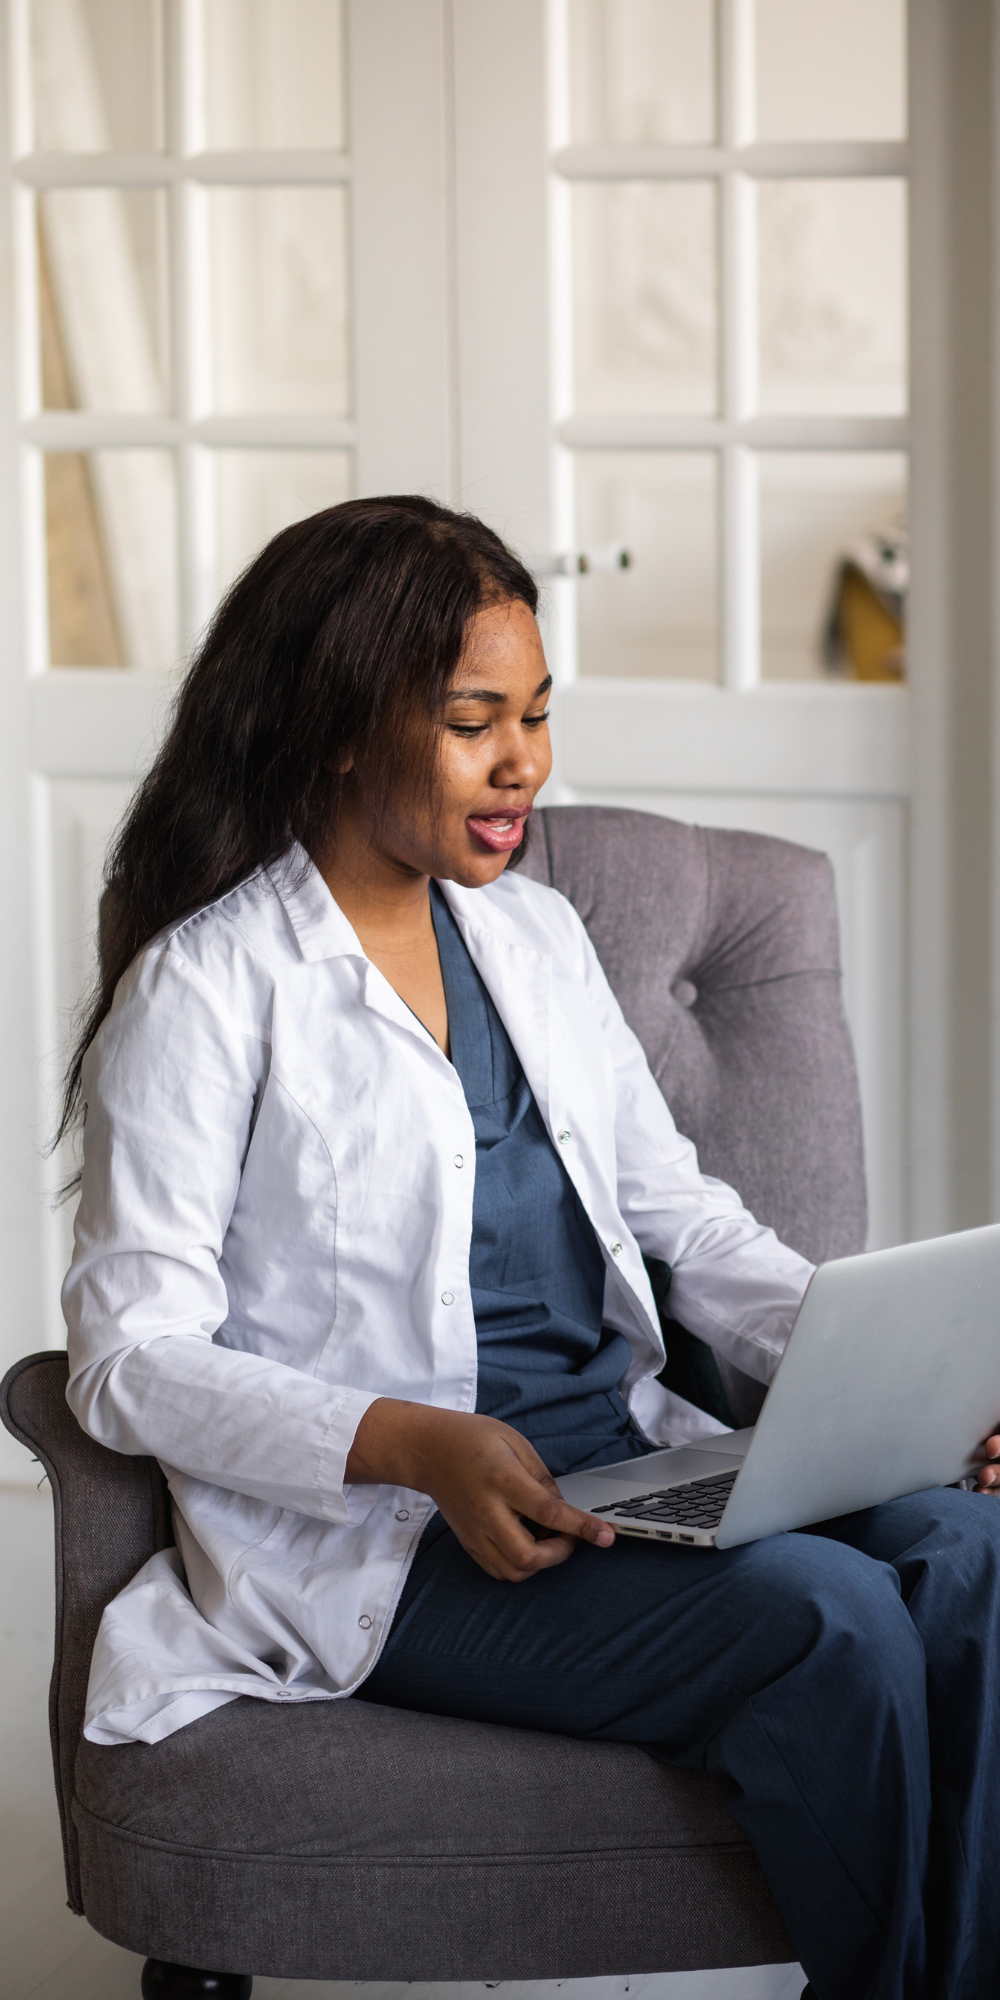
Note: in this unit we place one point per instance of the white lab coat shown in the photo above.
(274, 1231)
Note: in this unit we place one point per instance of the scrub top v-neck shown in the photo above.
(547, 1366)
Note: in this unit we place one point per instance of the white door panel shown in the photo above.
(809, 739)
(501, 267)
(401, 259)
(96, 723)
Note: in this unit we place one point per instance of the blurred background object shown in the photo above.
(865, 631)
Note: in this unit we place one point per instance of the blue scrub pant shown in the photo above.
(847, 1681)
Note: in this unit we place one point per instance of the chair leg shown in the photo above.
(161, 1981)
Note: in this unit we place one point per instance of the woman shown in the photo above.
(370, 1161)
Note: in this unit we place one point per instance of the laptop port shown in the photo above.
(687, 1538)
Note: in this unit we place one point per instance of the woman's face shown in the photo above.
(493, 756)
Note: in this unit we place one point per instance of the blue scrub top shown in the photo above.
(547, 1366)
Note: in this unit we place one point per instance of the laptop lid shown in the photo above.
(889, 1383)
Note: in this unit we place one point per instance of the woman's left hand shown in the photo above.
(989, 1475)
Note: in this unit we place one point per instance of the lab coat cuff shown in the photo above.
(341, 1502)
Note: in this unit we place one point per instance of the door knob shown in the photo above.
(586, 562)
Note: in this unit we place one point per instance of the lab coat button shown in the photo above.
(616, 1249)
(402, 1513)
(564, 1137)
(459, 1160)
(447, 1298)
(365, 1623)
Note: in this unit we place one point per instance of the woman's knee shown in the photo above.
(949, 1573)
(813, 1594)
(942, 1534)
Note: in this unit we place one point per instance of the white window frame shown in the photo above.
(737, 435)
(186, 170)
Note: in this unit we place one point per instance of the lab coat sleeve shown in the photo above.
(169, 1090)
(734, 1283)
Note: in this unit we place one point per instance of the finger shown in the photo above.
(540, 1500)
(506, 1550)
(517, 1560)
(553, 1550)
(512, 1542)
(561, 1518)
(495, 1536)
(551, 1511)
(989, 1474)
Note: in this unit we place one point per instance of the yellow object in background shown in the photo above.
(871, 639)
(865, 632)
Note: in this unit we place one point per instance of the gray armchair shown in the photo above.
(348, 1841)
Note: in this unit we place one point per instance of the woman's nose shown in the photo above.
(523, 761)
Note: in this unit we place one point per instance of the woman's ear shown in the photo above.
(344, 764)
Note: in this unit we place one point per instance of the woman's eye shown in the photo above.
(470, 729)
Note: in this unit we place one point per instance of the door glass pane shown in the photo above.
(258, 492)
(111, 540)
(831, 69)
(642, 71)
(104, 313)
(834, 564)
(833, 260)
(657, 617)
(274, 73)
(279, 291)
(97, 75)
(644, 304)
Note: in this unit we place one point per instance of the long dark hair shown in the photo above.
(345, 627)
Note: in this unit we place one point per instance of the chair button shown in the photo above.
(564, 1137)
(459, 1159)
(402, 1513)
(447, 1298)
(365, 1622)
(616, 1249)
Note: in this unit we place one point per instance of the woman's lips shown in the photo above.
(500, 832)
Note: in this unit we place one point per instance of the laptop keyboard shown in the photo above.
(698, 1505)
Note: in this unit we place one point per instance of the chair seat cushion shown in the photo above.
(344, 1840)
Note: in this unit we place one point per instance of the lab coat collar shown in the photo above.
(320, 926)
(482, 909)
(322, 930)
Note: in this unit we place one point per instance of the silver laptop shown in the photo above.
(888, 1385)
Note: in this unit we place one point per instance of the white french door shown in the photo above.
(267, 253)
(728, 463)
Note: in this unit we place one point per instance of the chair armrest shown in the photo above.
(111, 1514)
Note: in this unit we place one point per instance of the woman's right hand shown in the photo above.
(485, 1478)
